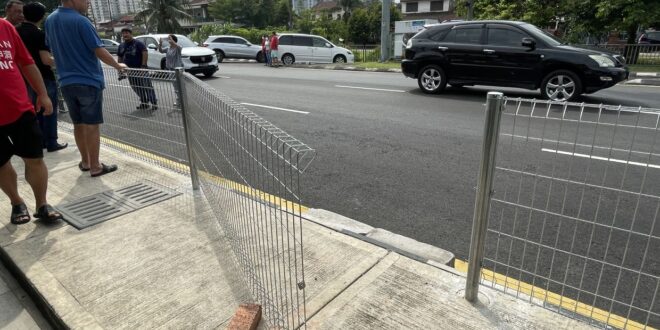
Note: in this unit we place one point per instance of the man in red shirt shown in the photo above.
(274, 43)
(19, 131)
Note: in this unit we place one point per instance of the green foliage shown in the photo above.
(163, 16)
(578, 18)
(364, 24)
(259, 13)
(251, 34)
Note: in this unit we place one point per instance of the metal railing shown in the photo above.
(635, 54)
(248, 169)
(574, 206)
(366, 53)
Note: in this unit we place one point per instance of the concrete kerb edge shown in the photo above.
(40, 301)
(344, 68)
(362, 232)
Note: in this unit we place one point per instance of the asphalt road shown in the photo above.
(394, 158)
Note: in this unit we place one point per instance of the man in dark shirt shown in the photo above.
(134, 54)
(35, 41)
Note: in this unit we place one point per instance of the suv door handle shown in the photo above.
(442, 48)
(489, 51)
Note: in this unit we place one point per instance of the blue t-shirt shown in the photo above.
(131, 53)
(73, 40)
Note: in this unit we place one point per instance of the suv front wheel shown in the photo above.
(432, 79)
(561, 86)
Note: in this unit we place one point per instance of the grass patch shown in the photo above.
(644, 68)
(378, 65)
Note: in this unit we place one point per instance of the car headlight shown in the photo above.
(603, 61)
(185, 56)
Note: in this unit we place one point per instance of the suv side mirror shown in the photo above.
(528, 42)
(329, 45)
(152, 46)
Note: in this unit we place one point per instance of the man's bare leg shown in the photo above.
(9, 183)
(93, 140)
(36, 174)
(81, 142)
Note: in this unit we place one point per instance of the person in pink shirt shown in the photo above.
(274, 43)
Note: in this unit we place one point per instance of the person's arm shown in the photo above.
(33, 77)
(47, 58)
(107, 58)
(145, 57)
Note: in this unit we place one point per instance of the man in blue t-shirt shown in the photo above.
(77, 49)
(134, 54)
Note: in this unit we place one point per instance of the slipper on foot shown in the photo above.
(48, 213)
(84, 169)
(19, 214)
(105, 169)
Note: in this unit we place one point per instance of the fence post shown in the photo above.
(482, 203)
(183, 100)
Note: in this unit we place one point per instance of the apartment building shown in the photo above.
(108, 10)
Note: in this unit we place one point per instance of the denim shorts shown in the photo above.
(85, 103)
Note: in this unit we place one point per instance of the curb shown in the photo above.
(343, 67)
(644, 75)
(405, 246)
(643, 81)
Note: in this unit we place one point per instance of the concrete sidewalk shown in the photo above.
(170, 266)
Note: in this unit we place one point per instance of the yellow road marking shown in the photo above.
(554, 299)
(268, 198)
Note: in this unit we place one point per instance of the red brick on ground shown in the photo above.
(246, 317)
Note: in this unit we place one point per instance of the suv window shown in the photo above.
(302, 41)
(224, 40)
(240, 41)
(464, 35)
(318, 42)
(505, 37)
(286, 40)
(148, 41)
(107, 42)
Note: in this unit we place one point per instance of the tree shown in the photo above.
(163, 15)
(359, 30)
(348, 6)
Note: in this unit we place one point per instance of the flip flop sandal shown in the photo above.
(19, 214)
(105, 169)
(82, 168)
(48, 213)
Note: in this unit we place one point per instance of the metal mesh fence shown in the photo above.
(141, 115)
(248, 169)
(574, 208)
(636, 54)
(250, 172)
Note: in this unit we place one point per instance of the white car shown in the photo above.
(195, 59)
(234, 47)
(295, 47)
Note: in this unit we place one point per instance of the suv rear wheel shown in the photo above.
(561, 85)
(431, 79)
(220, 55)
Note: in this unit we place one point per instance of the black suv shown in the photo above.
(508, 54)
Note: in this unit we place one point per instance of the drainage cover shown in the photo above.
(97, 208)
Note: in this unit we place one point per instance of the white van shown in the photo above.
(296, 47)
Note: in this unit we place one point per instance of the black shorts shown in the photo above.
(21, 138)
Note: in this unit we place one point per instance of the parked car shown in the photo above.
(195, 59)
(296, 47)
(234, 47)
(508, 54)
(649, 37)
(111, 45)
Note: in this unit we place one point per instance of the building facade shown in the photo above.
(428, 9)
(109, 10)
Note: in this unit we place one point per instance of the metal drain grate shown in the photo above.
(97, 208)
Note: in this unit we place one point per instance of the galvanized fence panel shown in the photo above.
(366, 53)
(154, 134)
(574, 209)
(248, 169)
(635, 54)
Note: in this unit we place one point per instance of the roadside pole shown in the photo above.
(385, 31)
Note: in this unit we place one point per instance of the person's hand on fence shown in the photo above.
(43, 102)
(121, 67)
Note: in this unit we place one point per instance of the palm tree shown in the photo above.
(163, 15)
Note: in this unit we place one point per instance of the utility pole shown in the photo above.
(470, 5)
(385, 31)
